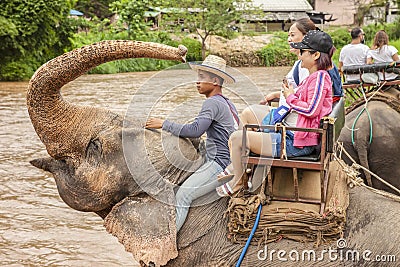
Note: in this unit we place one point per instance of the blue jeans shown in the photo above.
(200, 183)
(291, 150)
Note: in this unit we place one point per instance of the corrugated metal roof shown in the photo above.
(283, 5)
(278, 16)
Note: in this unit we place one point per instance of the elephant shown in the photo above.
(371, 138)
(124, 173)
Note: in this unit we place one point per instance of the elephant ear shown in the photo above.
(146, 227)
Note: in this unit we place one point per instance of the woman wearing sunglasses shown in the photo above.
(311, 101)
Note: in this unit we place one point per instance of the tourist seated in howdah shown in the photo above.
(307, 106)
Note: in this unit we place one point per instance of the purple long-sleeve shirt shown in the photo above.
(218, 119)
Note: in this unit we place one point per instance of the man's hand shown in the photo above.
(154, 123)
(269, 97)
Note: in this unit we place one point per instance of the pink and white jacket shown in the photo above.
(312, 101)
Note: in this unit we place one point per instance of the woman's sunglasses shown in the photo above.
(309, 50)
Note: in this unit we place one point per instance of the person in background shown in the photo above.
(382, 52)
(218, 118)
(311, 101)
(354, 53)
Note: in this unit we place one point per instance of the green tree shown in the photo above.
(133, 14)
(208, 17)
(91, 8)
(31, 31)
(363, 7)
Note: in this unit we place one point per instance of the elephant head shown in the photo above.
(85, 143)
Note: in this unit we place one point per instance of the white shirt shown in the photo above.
(303, 74)
(353, 54)
(382, 55)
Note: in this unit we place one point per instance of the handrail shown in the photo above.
(376, 67)
(280, 127)
(276, 128)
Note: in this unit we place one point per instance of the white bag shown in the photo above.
(370, 77)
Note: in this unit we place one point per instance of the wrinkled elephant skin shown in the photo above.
(95, 173)
(382, 154)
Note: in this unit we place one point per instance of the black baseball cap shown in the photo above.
(315, 40)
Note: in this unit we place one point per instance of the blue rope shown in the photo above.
(250, 237)
(355, 121)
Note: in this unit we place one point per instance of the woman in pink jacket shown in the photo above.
(312, 101)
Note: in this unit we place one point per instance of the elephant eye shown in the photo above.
(94, 151)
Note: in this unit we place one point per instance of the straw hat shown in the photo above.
(216, 65)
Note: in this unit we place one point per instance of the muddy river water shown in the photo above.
(36, 227)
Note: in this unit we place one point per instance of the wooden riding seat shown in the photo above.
(355, 89)
(317, 162)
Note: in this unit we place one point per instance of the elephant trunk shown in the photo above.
(58, 123)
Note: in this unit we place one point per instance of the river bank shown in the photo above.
(241, 51)
(244, 50)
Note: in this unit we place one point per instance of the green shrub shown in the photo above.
(16, 71)
(395, 44)
(277, 52)
(340, 37)
(159, 37)
(194, 49)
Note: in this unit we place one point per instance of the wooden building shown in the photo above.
(277, 14)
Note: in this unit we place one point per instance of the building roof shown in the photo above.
(283, 5)
(151, 14)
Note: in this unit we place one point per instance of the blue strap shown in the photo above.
(296, 73)
(234, 114)
(336, 81)
(250, 237)
(268, 120)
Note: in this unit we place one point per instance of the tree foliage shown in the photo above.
(207, 17)
(132, 13)
(31, 30)
(94, 8)
(363, 8)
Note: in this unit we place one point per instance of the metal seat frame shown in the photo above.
(321, 165)
(357, 90)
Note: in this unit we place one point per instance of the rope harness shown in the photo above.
(375, 96)
(354, 174)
